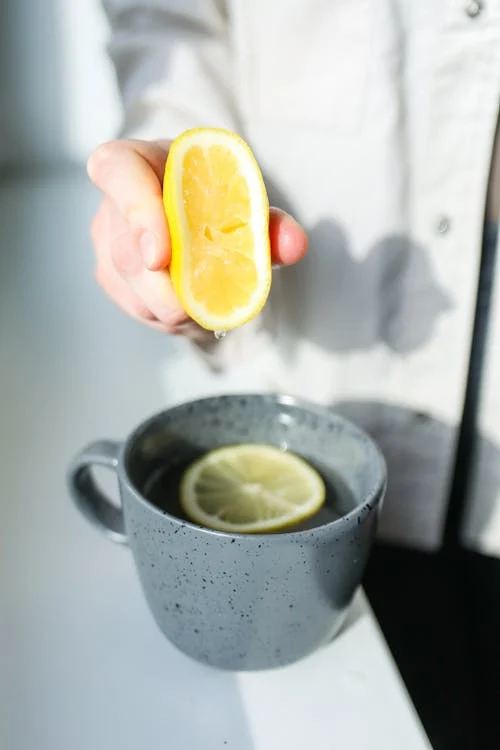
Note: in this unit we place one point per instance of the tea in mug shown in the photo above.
(165, 488)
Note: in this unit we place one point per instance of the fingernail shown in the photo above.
(292, 219)
(149, 248)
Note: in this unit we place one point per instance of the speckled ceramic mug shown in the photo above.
(239, 601)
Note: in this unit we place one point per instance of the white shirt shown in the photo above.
(374, 123)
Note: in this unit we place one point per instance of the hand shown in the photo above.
(131, 239)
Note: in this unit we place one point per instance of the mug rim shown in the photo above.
(370, 502)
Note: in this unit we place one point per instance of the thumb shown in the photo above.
(288, 239)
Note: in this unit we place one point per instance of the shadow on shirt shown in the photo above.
(389, 296)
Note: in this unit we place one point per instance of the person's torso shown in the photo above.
(374, 122)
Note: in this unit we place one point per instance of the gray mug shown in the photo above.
(241, 601)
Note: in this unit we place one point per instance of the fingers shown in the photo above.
(130, 231)
(288, 240)
(130, 174)
(122, 296)
(145, 295)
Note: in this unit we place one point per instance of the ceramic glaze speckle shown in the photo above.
(245, 601)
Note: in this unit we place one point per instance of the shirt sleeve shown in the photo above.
(173, 65)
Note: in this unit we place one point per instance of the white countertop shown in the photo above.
(82, 664)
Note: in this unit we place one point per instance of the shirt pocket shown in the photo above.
(304, 62)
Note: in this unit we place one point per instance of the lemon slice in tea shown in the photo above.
(250, 488)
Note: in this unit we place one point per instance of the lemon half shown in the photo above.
(218, 216)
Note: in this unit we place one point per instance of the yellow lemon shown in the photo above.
(218, 216)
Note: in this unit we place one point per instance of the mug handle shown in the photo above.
(89, 499)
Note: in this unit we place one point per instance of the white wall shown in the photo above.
(57, 91)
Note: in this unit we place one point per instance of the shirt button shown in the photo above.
(443, 225)
(474, 8)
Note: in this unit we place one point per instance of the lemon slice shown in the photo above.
(218, 215)
(250, 488)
